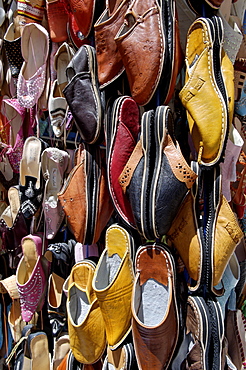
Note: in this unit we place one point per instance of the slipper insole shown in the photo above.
(62, 63)
(14, 201)
(30, 163)
(154, 303)
(30, 257)
(55, 291)
(36, 51)
(79, 305)
(40, 352)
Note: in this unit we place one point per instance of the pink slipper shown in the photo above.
(32, 77)
(30, 277)
(15, 114)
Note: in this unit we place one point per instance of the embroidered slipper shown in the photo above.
(32, 77)
(54, 163)
(30, 185)
(12, 45)
(15, 114)
(31, 278)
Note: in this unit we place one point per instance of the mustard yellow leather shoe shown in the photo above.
(86, 327)
(113, 282)
(207, 94)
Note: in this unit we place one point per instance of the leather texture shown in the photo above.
(110, 65)
(83, 12)
(83, 95)
(85, 197)
(148, 42)
(160, 172)
(208, 123)
(114, 295)
(183, 232)
(122, 129)
(86, 329)
(141, 45)
(155, 344)
(57, 20)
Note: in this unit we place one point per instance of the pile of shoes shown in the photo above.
(122, 184)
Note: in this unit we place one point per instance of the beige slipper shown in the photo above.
(14, 201)
(32, 77)
(38, 351)
(30, 167)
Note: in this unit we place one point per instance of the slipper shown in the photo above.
(123, 358)
(122, 129)
(74, 34)
(106, 28)
(57, 104)
(54, 163)
(83, 89)
(38, 350)
(12, 231)
(83, 12)
(32, 77)
(61, 349)
(15, 114)
(12, 45)
(30, 166)
(14, 201)
(31, 277)
(62, 58)
(56, 304)
(15, 321)
(57, 20)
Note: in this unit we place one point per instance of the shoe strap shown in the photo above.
(126, 174)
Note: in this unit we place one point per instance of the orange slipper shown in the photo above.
(57, 20)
